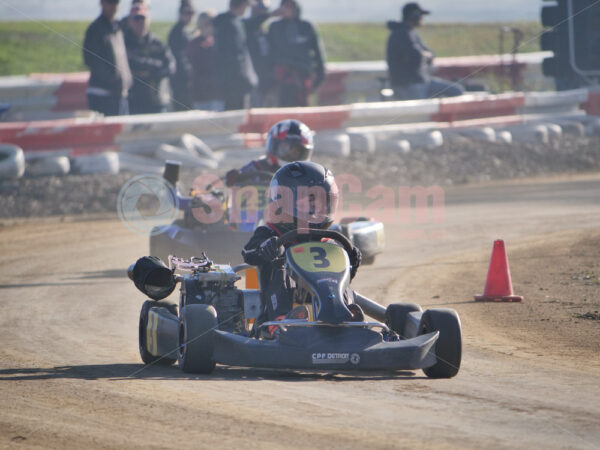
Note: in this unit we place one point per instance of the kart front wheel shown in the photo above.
(396, 315)
(196, 327)
(448, 348)
(147, 357)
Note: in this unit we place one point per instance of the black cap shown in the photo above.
(413, 9)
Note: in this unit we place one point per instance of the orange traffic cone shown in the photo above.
(498, 286)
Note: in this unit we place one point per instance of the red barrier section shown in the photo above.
(592, 106)
(328, 118)
(332, 90)
(55, 134)
(452, 109)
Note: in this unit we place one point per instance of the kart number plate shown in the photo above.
(320, 257)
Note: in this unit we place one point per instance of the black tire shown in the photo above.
(367, 261)
(146, 356)
(395, 316)
(196, 328)
(448, 348)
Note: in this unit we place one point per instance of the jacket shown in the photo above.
(105, 54)
(294, 44)
(151, 62)
(406, 62)
(201, 52)
(233, 66)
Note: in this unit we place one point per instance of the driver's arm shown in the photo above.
(252, 252)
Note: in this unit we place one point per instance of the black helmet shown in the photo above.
(289, 141)
(302, 195)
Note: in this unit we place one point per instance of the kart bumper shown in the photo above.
(326, 348)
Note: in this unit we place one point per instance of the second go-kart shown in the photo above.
(225, 236)
(217, 323)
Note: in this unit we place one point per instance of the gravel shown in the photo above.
(458, 161)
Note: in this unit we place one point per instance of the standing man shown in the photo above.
(234, 74)
(178, 43)
(296, 55)
(151, 63)
(258, 47)
(409, 60)
(104, 53)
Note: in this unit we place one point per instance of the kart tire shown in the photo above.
(395, 316)
(367, 261)
(196, 326)
(448, 348)
(147, 357)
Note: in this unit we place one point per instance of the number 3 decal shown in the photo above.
(320, 256)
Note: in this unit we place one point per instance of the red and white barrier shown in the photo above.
(128, 133)
(53, 95)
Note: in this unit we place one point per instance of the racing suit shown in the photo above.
(264, 164)
(276, 291)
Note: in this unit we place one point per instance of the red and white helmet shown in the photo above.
(290, 141)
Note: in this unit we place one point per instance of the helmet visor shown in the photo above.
(290, 150)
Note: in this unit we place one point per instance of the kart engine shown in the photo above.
(210, 284)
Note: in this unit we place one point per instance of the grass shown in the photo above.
(27, 47)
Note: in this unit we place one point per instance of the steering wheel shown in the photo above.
(291, 237)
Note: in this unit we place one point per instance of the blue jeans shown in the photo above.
(434, 87)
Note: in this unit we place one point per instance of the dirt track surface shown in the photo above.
(70, 375)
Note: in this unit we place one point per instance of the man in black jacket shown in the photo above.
(234, 72)
(409, 60)
(296, 55)
(258, 47)
(104, 53)
(151, 63)
(179, 39)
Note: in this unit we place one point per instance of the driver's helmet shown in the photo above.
(302, 194)
(289, 141)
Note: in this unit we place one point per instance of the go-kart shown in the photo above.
(217, 323)
(226, 236)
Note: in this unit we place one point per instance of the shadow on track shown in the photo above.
(125, 372)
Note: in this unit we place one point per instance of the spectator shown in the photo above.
(201, 52)
(409, 60)
(178, 43)
(258, 47)
(296, 55)
(123, 23)
(234, 73)
(104, 53)
(151, 64)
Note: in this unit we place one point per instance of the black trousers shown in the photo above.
(108, 105)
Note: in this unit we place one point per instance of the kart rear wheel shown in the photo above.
(146, 356)
(448, 348)
(196, 326)
(396, 315)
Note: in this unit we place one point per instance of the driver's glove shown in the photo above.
(355, 257)
(269, 250)
(231, 177)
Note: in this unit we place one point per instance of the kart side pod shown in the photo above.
(152, 277)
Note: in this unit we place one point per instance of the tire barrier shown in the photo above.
(44, 166)
(12, 162)
(100, 163)
(169, 152)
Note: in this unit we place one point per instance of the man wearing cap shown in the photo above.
(104, 53)
(151, 63)
(409, 60)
